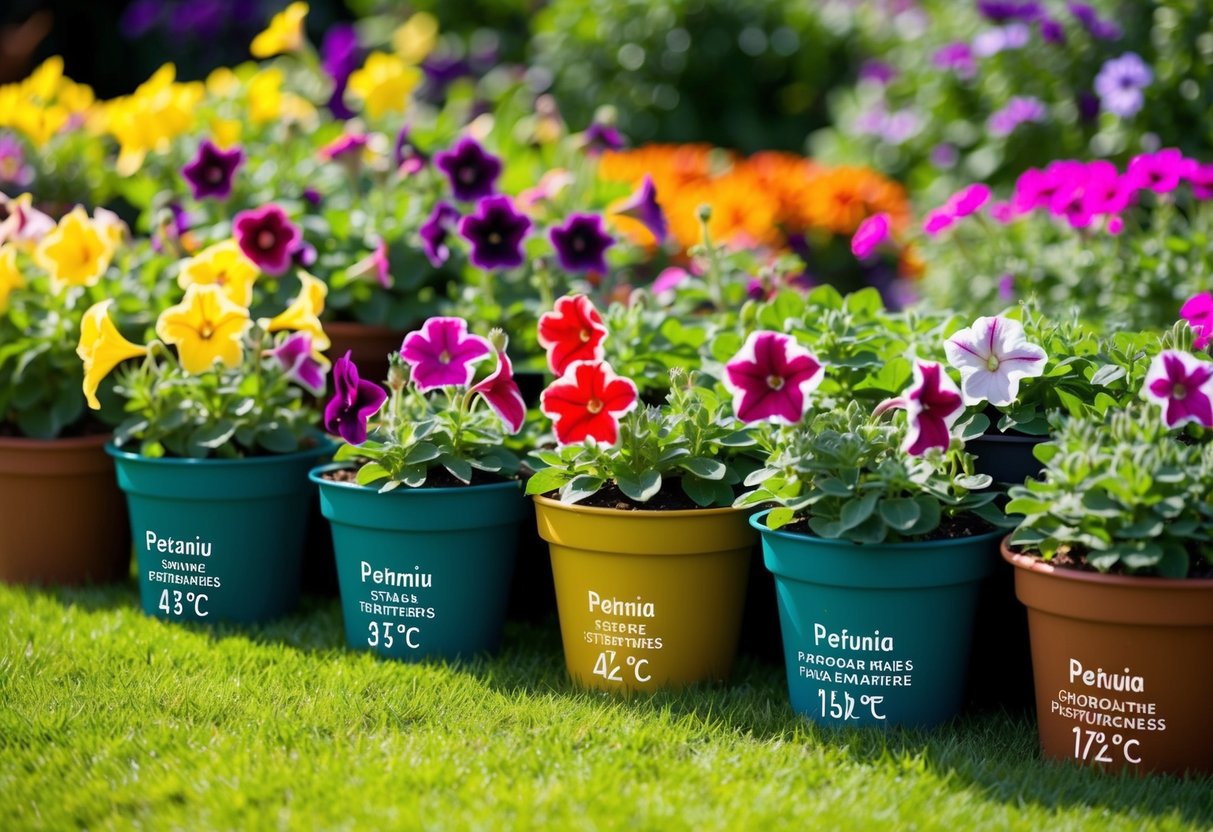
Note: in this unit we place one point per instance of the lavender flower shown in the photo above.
(473, 172)
(210, 173)
(496, 232)
(1021, 109)
(581, 244)
(993, 41)
(13, 169)
(1120, 82)
(956, 57)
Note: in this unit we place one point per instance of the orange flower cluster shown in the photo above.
(756, 201)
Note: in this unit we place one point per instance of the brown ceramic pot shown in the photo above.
(368, 346)
(62, 517)
(1123, 667)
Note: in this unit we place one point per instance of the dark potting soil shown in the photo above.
(950, 528)
(1076, 558)
(436, 478)
(670, 498)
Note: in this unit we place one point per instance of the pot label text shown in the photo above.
(615, 627)
(1107, 727)
(397, 615)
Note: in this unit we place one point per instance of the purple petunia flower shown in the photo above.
(643, 206)
(339, 57)
(1088, 106)
(210, 173)
(1005, 11)
(473, 172)
(139, 18)
(173, 224)
(443, 353)
(267, 237)
(304, 255)
(601, 137)
(354, 401)
(312, 197)
(944, 155)
(1120, 82)
(1090, 20)
(1051, 31)
(496, 232)
(1021, 109)
(435, 231)
(406, 156)
(581, 244)
(878, 72)
(296, 356)
(957, 58)
(13, 169)
(1006, 288)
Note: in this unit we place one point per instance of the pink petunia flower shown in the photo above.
(771, 377)
(968, 200)
(302, 363)
(267, 237)
(932, 403)
(669, 279)
(374, 264)
(501, 393)
(587, 402)
(938, 221)
(1198, 312)
(1159, 172)
(346, 145)
(871, 233)
(1181, 384)
(993, 356)
(443, 353)
(572, 331)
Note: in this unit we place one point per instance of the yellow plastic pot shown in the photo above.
(647, 599)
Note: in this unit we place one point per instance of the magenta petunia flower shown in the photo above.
(501, 393)
(1181, 384)
(298, 358)
(993, 356)
(406, 156)
(932, 404)
(956, 58)
(443, 353)
(1021, 109)
(267, 237)
(601, 137)
(581, 243)
(938, 221)
(968, 200)
(375, 265)
(210, 173)
(669, 279)
(771, 377)
(354, 401)
(1198, 312)
(472, 172)
(347, 145)
(871, 233)
(436, 230)
(1160, 172)
(642, 205)
(496, 232)
(1200, 177)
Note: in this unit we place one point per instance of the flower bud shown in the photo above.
(397, 372)
(498, 339)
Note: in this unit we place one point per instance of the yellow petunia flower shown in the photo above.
(101, 348)
(44, 81)
(265, 95)
(384, 83)
(414, 39)
(303, 314)
(222, 83)
(284, 34)
(76, 253)
(205, 327)
(10, 275)
(149, 119)
(225, 266)
(225, 132)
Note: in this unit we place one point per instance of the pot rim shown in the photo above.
(639, 513)
(904, 544)
(59, 443)
(314, 476)
(324, 445)
(1033, 563)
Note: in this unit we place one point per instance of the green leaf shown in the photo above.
(929, 515)
(371, 472)
(422, 452)
(213, 435)
(829, 529)
(702, 492)
(708, 469)
(780, 517)
(834, 487)
(973, 482)
(858, 509)
(580, 487)
(460, 468)
(278, 439)
(1107, 374)
(642, 488)
(870, 531)
(547, 479)
(900, 513)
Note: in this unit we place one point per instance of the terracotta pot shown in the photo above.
(1122, 667)
(368, 344)
(62, 517)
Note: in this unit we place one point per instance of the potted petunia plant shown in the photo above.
(879, 537)
(52, 446)
(635, 503)
(215, 448)
(423, 496)
(1112, 561)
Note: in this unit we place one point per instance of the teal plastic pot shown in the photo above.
(876, 634)
(422, 571)
(218, 539)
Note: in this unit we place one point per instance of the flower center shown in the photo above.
(594, 406)
(445, 357)
(207, 331)
(1179, 391)
(467, 176)
(265, 239)
(215, 176)
(495, 238)
(775, 382)
(578, 244)
(584, 335)
(992, 363)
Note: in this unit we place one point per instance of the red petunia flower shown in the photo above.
(501, 393)
(573, 331)
(588, 401)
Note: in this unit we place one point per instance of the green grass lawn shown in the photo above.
(110, 719)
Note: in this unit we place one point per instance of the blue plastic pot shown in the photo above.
(876, 634)
(422, 571)
(218, 539)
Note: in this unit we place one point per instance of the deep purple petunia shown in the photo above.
(496, 232)
(1051, 31)
(211, 172)
(267, 237)
(1090, 20)
(1006, 11)
(339, 57)
(13, 168)
(581, 243)
(354, 401)
(1120, 82)
(435, 231)
(473, 172)
(642, 205)
(601, 137)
